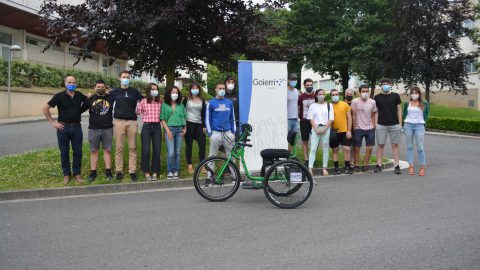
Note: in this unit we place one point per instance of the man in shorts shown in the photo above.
(304, 101)
(389, 123)
(342, 124)
(100, 130)
(363, 112)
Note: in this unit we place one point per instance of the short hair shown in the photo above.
(363, 86)
(99, 82)
(349, 89)
(307, 80)
(292, 76)
(385, 80)
(220, 83)
(65, 79)
(123, 72)
(334, 90)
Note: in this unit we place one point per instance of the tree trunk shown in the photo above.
(170, 76)
(345, 77)
(427, 91)
(372, 87)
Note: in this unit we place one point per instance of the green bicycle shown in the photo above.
(286, 182)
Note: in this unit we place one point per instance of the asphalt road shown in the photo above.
(368, 221)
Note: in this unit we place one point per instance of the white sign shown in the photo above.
(263, 104)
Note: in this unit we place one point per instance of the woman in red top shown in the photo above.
(149, 109)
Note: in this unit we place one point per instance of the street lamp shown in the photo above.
(13, 48)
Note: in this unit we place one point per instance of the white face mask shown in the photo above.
(365, 95)
(174, 96)
(414, 96)
(230, 86)
(154, 93)
(321, 97)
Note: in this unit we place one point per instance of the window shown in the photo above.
(326, 85)
(77, 52)
(5, 52)
(105, 67)
(5, 39)
(116, 69)
(471, 66)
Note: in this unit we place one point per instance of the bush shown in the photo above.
(452, 124)
(26, 74)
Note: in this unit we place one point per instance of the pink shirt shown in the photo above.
(150, 111)
(362, 113)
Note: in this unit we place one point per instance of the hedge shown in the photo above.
(26, 74)
(452, 124)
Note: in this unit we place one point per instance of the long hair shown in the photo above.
(316, 94)
(199, 88)
(416, 89)
(148, 95)
(168, 96)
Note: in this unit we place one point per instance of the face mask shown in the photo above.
(100, 91)
(321, 97)
(386, 88)
(154, 93)
(71, 87)
(195, 91)
(174, 96)
(221, 93)
(309, 89)
(293, 83)
(230, 86)
(365, 95)
(414, 96)
(125, 81)
(335, 98)
(349, 98)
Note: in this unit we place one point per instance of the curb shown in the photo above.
(452, 134)
(118, 188)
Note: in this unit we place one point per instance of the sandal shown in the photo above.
(410, 170)
(422, 171)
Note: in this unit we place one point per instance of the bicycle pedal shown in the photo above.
(251, 185)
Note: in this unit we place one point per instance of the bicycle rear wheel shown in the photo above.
(288, 184)
(212, 185)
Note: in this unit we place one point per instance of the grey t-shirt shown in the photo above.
(194, 111)
(292, 103)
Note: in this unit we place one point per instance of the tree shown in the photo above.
(426, 48)
(161, 36)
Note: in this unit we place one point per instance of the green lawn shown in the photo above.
(41, 169)
(459, 113)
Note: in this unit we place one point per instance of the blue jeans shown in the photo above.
(315, 139)
(417, 132)
(174, 147)
(70, 134)
(293, 124)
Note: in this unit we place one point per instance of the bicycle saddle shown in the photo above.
(274, 153)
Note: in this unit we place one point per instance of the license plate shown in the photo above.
(296, 177)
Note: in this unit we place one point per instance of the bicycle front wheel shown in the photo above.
(288, 184)
(215, 179)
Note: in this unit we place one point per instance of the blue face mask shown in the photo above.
(293, 83)
(335, 98)
(386, 88)
(71, 87)
(221, 93)
(125, 81)
(195, 92)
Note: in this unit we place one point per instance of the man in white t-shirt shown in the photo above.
(292, 104)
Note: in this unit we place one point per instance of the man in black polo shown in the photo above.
(69, 130)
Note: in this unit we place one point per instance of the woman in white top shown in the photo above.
(320, 115)
(415, 114)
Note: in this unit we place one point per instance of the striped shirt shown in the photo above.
(150, 111)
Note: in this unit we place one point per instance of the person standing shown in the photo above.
(349, 93)
(304, 101)
(232, 94)
(415, 113)
(173, 117)
(389, 123)
(363, 111)
(100, 130)
(195, 107)
(342, 124)
(151, 135)
(68, 126)
(292, 104)
(321, 117)
(125, 124)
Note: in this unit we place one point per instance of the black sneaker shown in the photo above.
(397, 170)
(336, 171)
(377, 169)
(364, 169)
(357, 169)
(119, 176)
(133, 177)
(92, 177)
(109, 175)
(347, 170)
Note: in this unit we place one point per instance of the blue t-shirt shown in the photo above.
(220, 115)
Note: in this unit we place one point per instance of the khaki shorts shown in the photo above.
(395, 133)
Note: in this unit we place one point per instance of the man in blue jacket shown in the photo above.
(219, 120)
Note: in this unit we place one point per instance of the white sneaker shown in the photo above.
(175, 175)
(170, 176)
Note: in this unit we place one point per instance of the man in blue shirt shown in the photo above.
(219, 119)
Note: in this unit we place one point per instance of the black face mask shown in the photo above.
(349, 98)
(309, 89)
(100, 92)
